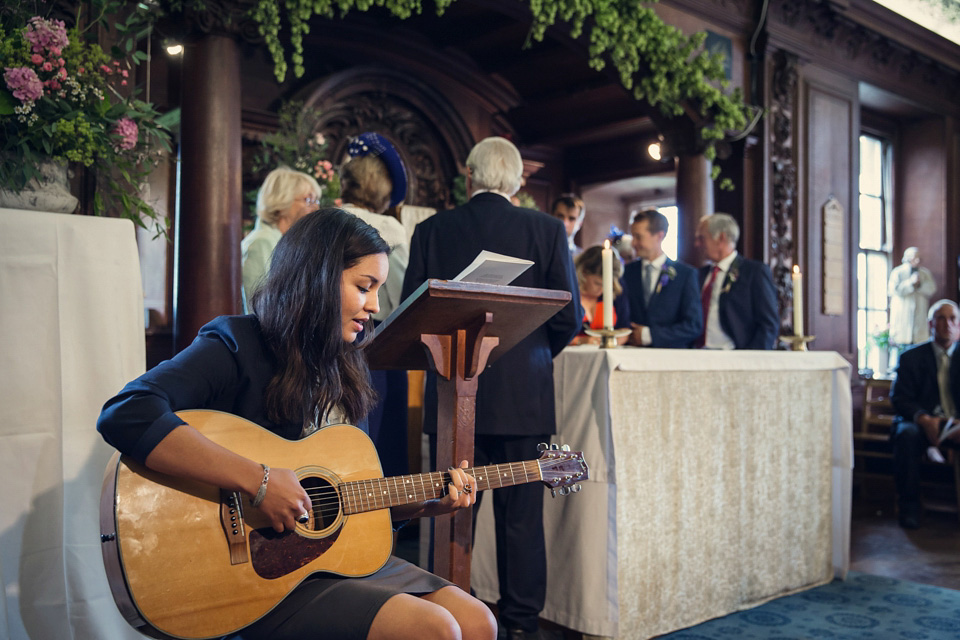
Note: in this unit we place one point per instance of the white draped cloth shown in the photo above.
(718, 480)
(71, 334)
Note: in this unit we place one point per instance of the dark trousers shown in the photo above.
(518, 522)
(909, 445)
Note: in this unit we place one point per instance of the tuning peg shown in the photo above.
(554, 446)
(576, 488)
(565, 447)
(565, 491)
(553, 493)
(543, 446)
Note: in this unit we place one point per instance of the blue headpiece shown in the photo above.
(374, 144)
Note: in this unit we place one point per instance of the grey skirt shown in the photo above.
(335, 608)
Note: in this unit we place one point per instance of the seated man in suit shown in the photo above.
(925, 394)
(738, 297)
(662, 293)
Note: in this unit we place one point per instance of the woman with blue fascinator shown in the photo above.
(372, 180)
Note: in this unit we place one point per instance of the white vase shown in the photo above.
(48, 193)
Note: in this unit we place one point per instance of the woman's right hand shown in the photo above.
(285, 501)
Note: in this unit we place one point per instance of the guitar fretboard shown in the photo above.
(380, 493)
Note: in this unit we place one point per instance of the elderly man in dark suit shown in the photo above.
(925, 394)
(662, 293)
(737, 295)
(515, 406)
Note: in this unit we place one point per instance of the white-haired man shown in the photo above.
(515, 407)
(925, 395)
(738, 296)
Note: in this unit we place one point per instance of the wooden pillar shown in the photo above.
(209, 218)
(694, 200)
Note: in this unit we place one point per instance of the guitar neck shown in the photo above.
(380, 493)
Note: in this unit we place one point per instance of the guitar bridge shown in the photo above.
(231, 519)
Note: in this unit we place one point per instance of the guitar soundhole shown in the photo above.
(326, 502)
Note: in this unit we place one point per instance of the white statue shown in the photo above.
(910, 289)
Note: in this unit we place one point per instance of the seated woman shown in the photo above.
(292, 367)
(589, 266)
(284, 197)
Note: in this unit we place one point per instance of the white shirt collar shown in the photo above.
(726, 262)
(499, 193)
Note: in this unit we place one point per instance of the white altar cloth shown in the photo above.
(71, 334)
(718, 481)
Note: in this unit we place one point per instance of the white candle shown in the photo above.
(607, 255)
(797, 301)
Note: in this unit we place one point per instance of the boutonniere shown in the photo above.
(731, 278)
(668, 274)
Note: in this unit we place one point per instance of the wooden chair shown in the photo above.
(873, 456)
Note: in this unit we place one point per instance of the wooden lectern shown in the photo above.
(456, 329)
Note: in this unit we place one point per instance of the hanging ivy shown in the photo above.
(654, 60)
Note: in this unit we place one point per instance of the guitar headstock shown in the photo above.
(562, 469)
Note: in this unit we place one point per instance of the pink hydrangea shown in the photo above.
(24, 83)
(128, 131)
(46, 35)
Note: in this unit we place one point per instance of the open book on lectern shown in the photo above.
(493, 268)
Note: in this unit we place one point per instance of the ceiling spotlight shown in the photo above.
(174, 48)
(654, 150)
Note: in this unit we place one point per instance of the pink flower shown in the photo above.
(123, 83)
(61, 62)
(47, 66)
(338, 202)
(81, 71)
(124, 73)
(128, 131)
(62, 74)
(46, 35)
(24, 83)
(36, 59)
(105, 68)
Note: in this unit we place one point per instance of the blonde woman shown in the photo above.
(284, 197)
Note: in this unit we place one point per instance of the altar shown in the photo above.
(718, 481)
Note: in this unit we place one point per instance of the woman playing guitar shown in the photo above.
(292, 367)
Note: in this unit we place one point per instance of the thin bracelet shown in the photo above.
(262, 491)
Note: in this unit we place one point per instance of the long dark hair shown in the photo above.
(299, 308)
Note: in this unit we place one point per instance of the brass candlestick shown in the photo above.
(608, 337)
(797, 343)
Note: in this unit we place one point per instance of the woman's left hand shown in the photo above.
(461, 493)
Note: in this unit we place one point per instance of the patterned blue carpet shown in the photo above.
(863, 606)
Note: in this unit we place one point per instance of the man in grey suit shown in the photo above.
(515, 407)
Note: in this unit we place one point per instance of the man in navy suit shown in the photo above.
(515, 407)
(926, 392)
(664, 306)
(737, 295)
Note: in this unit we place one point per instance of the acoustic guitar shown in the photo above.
(189, 560)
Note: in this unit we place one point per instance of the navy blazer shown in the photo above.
(748, 304)
(514, 394)
(674, 314)
(915, 387)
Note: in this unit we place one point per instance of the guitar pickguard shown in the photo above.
(278, 554)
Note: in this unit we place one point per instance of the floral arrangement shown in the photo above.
(297, 145)
(59, 102)
(732, 276)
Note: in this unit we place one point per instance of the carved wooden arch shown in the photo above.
(428, 133)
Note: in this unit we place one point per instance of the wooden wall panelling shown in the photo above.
(922, 198)
(831, 163)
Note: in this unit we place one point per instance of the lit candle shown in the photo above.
(607, 255)
(797, 301)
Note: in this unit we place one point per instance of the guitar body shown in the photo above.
(180, 567)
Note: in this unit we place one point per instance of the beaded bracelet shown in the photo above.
(262, 491)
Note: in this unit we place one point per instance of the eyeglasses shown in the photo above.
(312, 200)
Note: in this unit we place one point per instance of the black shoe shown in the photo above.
(909, 521)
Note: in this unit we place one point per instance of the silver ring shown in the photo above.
(304, 518)
(467, 488)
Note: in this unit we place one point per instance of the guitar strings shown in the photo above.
(323, 497)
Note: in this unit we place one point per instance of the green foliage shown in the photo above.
(656, 61)
(296, 145)
(62, 98)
